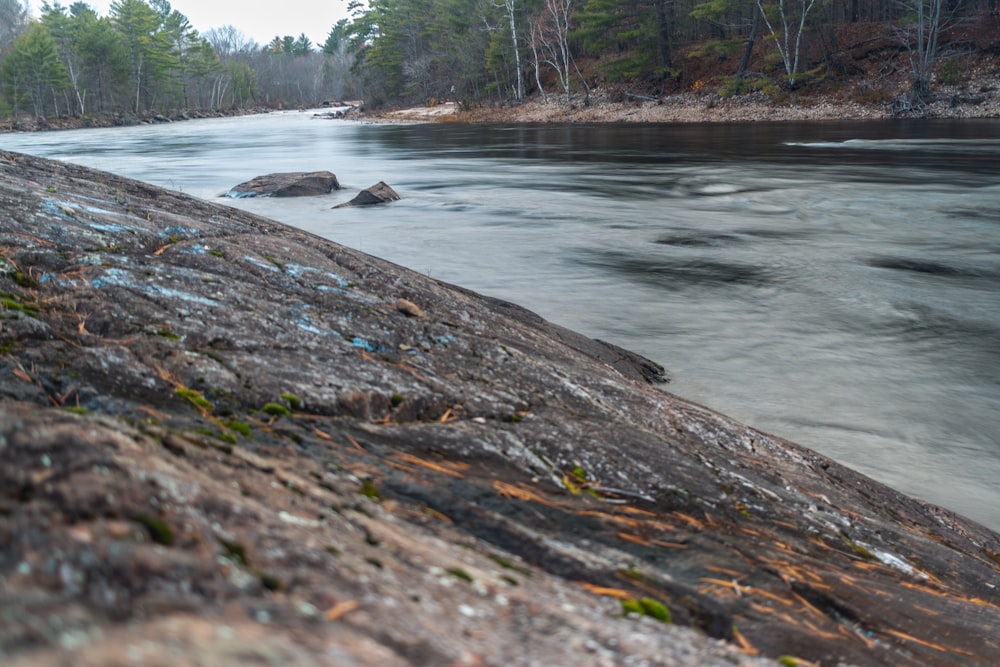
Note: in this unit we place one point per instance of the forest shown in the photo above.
(144, 58)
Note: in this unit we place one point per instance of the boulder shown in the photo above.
(226, 441)
(379, 193)
(290, 184)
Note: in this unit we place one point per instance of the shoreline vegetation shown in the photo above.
(976, 99)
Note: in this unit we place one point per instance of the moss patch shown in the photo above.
(646, 607)
(196, 399)
(158, 529)
(276, 410)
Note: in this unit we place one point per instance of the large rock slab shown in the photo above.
(288, 184)
(226, 440)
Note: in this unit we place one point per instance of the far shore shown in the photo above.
(974, 100)
(978, 101)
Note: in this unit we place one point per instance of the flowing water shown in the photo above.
(837, 284)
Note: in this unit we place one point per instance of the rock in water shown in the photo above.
(290, 184)
(379, 193)
(224, 440)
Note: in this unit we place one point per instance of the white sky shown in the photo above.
(261, 20)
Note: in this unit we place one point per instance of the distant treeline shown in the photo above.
(144, 57)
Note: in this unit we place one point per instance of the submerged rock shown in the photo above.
(380, 193)
(290, 184)
(228, 440)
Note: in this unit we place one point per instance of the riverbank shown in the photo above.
(978, 98)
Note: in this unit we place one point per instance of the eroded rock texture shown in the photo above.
(224, 440)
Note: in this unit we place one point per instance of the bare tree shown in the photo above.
(228, 42)
(510, 7)
(13, 21)
(920, 33)
(790, 17)
(550, 35)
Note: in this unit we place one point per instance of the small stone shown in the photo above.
(409, 308)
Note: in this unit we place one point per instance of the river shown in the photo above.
(837, 284)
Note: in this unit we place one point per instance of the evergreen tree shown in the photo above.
(104, 61)
(33, 74)
(151, 50)
(633, 35)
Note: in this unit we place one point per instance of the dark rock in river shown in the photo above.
(291, 184)
(225, 440)
(380, 193)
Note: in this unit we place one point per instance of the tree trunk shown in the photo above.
(748, 48)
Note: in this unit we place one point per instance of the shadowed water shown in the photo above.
(834, 283)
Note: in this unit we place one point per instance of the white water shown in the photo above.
(835, 284)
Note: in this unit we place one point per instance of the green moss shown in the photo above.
(396, 399)
(269, 581)
(235, 551)
(213, 356)
(655, 609)
(510, 565)
(788, 661)
(242, 428)
(632, 573)
(293, 401)
(215, 253)
(13, 302)
(459, 573)
(159, 531)
(646, 607)
(168, 334)
(369, 490)
(195, 398)
(861, 550)
(276, 410)
(24, 280)
(77, 410)
(631, 606)
(277, 262)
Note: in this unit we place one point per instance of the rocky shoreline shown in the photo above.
(978, 99)
(226, 440)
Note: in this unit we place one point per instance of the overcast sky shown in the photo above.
(261, 20)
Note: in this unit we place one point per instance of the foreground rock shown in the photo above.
(380, 193)
(227, 441)
(291, 184)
